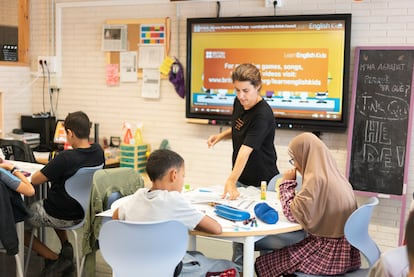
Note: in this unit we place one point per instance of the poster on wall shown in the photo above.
(114, 37)
(128, 66)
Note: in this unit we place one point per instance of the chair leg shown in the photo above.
(78, 263)
(29, 251)
(19, 271)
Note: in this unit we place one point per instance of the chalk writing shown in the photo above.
(381, 116)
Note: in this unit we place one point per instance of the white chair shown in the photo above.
(78, 186)
(143, 248)
(356, 232)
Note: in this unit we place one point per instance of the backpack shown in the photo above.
(195, 264)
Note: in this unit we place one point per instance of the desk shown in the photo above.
(251, 196)
(247, 235)
(43, 158)
(29, 167)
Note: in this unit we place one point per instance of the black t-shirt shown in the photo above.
(255, 128)
(58, 203)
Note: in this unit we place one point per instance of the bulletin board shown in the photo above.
(134, 40)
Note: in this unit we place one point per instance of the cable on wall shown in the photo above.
(43, 88)
(274, 7)
(218, 9)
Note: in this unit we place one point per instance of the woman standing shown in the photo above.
(322, 206)
(252, 133)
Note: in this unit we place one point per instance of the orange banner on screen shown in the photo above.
(282, 69)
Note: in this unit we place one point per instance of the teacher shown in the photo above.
(252, 133)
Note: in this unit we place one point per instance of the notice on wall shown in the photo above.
(114, 37)
(151, 83)
(128, 66)
(112, 76)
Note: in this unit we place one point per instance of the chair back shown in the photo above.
(271, 186)
(79, 185)
(119, 181)
(356, 231)
(143, 248)
(17, 150)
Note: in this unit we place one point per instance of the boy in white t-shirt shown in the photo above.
(163, 200)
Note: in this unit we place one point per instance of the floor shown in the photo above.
(209, 247)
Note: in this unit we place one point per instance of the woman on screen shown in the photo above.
(252, 133)
(321, 207)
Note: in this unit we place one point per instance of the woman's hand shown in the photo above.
(289, 174)
(212, 140)
(230, 189)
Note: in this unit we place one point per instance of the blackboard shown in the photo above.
(381, 119)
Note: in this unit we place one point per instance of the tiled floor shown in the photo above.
(210, 247)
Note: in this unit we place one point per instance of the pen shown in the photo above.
(204, 190)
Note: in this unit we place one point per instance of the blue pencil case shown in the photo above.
(231, 213)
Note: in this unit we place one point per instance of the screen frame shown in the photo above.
(285, 123)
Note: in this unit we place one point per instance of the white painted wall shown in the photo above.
(374, 22)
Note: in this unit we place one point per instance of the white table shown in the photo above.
(29, 167)
(243, 233)
(237, 232)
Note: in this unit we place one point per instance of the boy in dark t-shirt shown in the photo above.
(59, 210)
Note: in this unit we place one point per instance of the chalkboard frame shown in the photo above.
(403, 196)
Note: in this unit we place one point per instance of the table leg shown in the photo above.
(192, 243)
(248, 257)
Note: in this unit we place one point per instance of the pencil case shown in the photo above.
(231, 213)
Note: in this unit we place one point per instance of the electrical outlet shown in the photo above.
(46, 65)
(269, 3)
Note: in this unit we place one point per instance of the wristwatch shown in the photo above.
(13, 170)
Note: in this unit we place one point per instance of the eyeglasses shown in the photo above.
(292, 162)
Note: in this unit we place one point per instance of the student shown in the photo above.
(59, 209)
(12, 177)
(163, 201)
(397, 262)
(252, 133)
(322, 206)
(13, 184)
(409, 231)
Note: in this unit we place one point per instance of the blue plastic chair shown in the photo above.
(143, 248)
(271, 186)
(78, 186)
(356, 232)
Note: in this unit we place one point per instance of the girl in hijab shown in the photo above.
(322, 206)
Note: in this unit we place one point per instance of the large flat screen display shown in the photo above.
(304, 63)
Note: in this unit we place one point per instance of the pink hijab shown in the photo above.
(326, 198)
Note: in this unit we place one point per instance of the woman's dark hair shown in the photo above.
(162, 160)
(247, 72)
(78, 122)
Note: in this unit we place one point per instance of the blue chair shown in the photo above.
(356, 232)
(78, 186)
(271, 186)
(143, 248)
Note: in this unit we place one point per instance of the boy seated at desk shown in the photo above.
(12, 208)
(16, 180)
(163, 200)
(58, 209)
